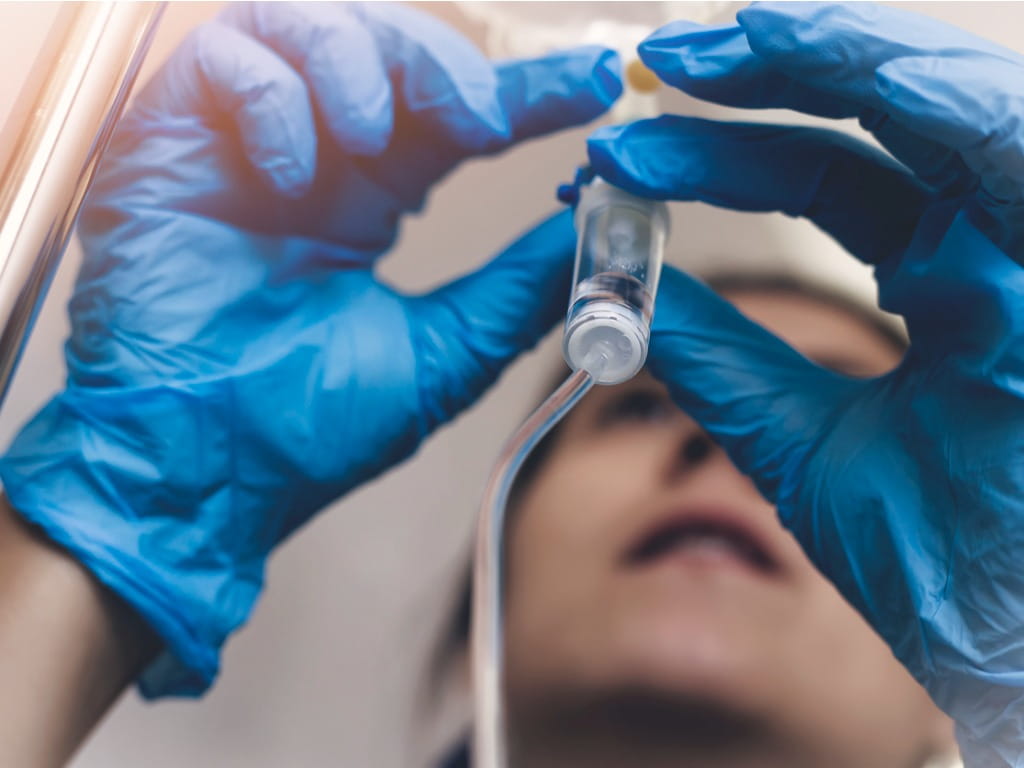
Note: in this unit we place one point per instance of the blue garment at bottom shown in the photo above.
(459, 758)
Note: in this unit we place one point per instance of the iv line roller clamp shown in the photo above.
(620, 245)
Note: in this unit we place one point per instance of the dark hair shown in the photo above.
(457, 635)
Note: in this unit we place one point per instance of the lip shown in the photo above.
(737, 541)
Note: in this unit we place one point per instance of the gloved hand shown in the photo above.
(234, 364)
(907, 491)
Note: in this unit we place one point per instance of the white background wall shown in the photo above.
(324, 674)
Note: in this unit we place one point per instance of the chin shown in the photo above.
(633, 727)
(692, 652)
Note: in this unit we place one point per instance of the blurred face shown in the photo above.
(660, 616)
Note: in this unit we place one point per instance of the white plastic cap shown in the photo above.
(608, 340)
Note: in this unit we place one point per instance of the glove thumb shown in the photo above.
(466, 332)
(760, 399)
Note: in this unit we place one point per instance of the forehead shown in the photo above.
(828, 334)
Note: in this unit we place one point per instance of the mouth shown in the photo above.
(708, 536)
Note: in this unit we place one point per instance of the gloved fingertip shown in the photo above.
(593, 72)
(664, 45)
(748, 17)
(568, 194)
(686, 53)
(607, 161)
(663, 60)
(611, 159)
(600, 144)
(607, 77)
(565, 88)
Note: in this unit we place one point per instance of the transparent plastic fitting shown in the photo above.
(619, 251)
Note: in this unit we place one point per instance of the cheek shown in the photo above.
(834, 661)
(573, 515)
(856, 664)
(565, 542)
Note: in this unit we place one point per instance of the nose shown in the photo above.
(696, 461)
(691, 449)
(695, 449)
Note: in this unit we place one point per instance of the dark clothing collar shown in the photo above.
(459, 758)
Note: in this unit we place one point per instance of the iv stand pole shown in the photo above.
(51, 146)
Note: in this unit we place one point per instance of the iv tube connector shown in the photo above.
(620, 247)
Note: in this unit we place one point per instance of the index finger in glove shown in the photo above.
(355, 56)
(853, 191)
(717, 64)
(837, 60)
(477, 105)
(557, 91)
(969, 90)
(838, 47)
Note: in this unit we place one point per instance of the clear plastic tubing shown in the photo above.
(489, 748)
(618, 262)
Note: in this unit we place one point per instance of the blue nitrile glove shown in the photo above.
(234, 364)
(907, 491)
